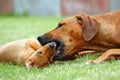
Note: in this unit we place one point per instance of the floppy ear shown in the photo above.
(90, 26)
(33, 43)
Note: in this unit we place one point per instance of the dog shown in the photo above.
(28, 52)
(84, 32)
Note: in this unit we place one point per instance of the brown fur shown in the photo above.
(1, 46)
(21, 51)
(84, 32)
(41, 57)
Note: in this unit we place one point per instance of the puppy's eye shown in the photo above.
(39, 52)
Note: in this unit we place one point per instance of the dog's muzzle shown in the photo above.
(59, 46)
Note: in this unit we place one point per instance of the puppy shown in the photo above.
(28, 52)
(43, 56)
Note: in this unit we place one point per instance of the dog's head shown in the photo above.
(71, 34)
(42, 57)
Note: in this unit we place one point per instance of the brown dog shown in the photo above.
(84, 32)
(28, 52)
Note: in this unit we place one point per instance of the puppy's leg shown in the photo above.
(33, 43)
(109, 54)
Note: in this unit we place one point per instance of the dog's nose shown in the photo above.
(42, 39)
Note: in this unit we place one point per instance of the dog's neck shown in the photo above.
(103, 40)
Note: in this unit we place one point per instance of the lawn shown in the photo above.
(14, 28)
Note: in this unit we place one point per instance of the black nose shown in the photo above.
(43, 39)
(40, 39)
(52, 45)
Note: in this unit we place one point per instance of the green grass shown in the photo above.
(13, 28)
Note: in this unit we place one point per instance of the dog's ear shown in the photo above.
(90, 26)
(33, 43)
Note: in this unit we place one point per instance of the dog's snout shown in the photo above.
(42, 39)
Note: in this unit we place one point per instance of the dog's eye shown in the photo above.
(39, 52)
(59, 25)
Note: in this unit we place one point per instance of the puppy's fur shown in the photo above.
(21, 50)
(43, 56)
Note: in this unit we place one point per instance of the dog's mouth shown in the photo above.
(59, 49)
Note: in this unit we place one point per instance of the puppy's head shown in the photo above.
(42, 57)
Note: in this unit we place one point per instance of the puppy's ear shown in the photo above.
(90, 26)
(33, 43)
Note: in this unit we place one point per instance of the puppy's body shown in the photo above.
(0, 46)
(28, 52)
(16, 51)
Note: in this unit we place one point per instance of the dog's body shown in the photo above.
(84, 32)
(22, 51)
(108, 32)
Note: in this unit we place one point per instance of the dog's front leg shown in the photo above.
(109, 54)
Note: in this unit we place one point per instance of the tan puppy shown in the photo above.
(43, 56)
(27, 49)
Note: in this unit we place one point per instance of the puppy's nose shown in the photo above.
(28, 65)
(52, 45)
